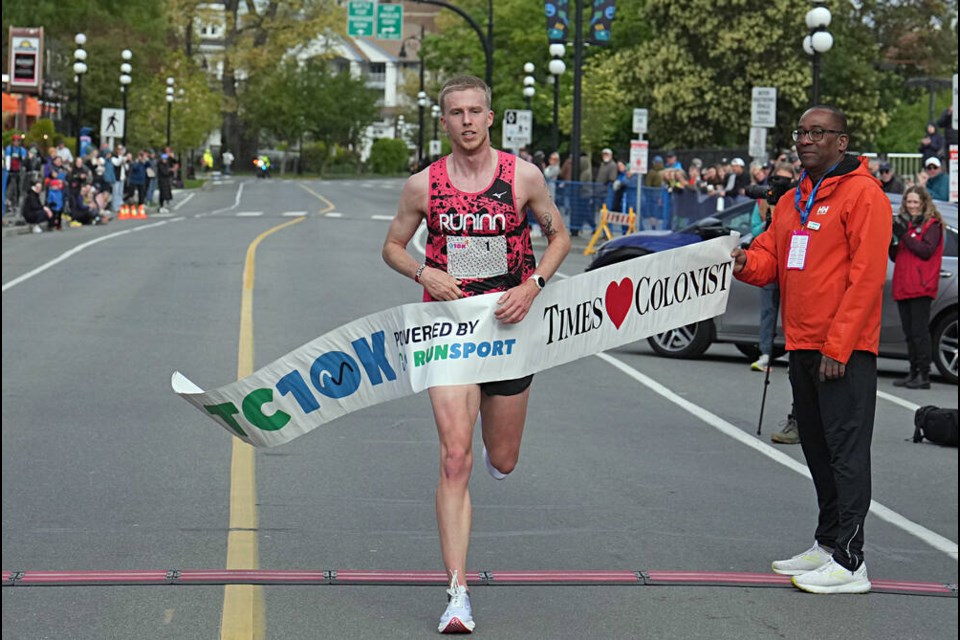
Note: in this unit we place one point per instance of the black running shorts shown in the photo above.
(506, 387)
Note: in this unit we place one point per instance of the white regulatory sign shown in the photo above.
(953, 122)
(517, 128)
(111, 123)
(640, 121)
(639, 150)
(953, 173)
(758, 143)
(763, 107)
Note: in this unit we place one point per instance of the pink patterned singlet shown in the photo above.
(482, 238)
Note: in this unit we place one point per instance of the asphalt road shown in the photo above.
(630, 461)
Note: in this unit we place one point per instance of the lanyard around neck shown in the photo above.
(805, 212)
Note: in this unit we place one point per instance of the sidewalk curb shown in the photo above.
(16, 230)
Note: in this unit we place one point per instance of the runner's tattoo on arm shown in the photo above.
(546, 224)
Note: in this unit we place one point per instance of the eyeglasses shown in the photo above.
(931, 166)
(815, 135)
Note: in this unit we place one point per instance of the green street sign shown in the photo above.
(389, 21)
(360, 18)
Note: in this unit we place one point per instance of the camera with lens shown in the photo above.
(771, 192)
(900, 227)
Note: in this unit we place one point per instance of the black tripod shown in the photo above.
(766, 383)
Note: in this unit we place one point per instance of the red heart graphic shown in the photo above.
(618, 300)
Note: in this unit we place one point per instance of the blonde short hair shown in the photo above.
(464, 83)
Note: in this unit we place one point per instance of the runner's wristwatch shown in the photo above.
(539, 281)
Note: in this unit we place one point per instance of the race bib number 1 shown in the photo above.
(476, 256)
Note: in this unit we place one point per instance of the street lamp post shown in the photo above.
(529, 82)
(557, 68)
(422, 102)
(79, 68)
(486, 41)
(817, 41)
(577, 84)
(170, 83)
(125, 70)
(435, 112)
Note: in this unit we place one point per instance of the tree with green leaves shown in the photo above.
(693, 65)
(257, 36)
(112, 26)
(308, 98)
(194, 112)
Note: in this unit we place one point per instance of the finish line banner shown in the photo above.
(404, 350)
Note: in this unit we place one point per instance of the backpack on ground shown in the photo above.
(936, 425)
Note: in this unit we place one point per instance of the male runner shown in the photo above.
(475, 191)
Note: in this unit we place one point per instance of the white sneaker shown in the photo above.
(37, 228)
(762, 363)
(458, 618)
(810, 560)
(495, 473)
(834, 578)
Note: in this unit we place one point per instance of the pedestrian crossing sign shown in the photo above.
(111, 123)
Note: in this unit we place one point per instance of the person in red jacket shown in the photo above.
(827, 249)
(917, 252)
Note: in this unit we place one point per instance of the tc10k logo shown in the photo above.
(335, 374)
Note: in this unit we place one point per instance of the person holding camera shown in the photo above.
(827, 246)
(934, 180)
(782, 180)
(917, 251)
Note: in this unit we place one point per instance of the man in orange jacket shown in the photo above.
(827, 248)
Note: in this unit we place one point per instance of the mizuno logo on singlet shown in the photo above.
(499, 196)
(476, 221)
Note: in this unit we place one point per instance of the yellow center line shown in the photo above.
(243, 611)
(329, 205)
(244, 615)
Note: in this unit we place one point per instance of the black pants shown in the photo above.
(13, 189)
(835, 422)
(915, 319)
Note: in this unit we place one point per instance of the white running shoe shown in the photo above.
(495, 473)
(762, 363)
(37, 229)
(810, 560)
(834, 578)
(458, 618)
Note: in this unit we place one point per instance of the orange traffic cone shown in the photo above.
(142, 211)
(124, 213)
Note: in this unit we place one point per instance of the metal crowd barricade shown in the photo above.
(581, 203)
(906, 165)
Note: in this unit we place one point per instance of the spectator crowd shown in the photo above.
(673, 195)
(53, 189)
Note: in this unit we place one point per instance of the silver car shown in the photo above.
(740, 324)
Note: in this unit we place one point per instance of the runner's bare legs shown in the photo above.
(456, 409)
(503, 418)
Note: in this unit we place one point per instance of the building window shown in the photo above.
(377, 73)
